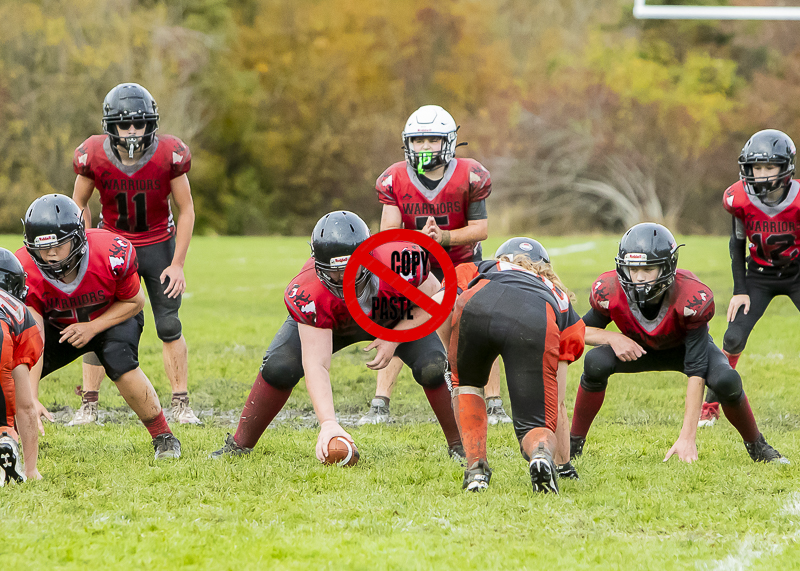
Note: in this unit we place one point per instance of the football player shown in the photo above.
(662, 314)
(21, 348)
(765, 210)
(319, 324)
(85, 294)
(445, 198)
(516, 307)
(136, 171)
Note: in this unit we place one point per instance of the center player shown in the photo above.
(84, 291)
(445, 198)
(662, 314)
(136, 172)
(319, 324)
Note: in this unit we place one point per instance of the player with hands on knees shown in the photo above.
(320, 324)
(662, 314)
(85, 295)
(765, 211)
(137, 171)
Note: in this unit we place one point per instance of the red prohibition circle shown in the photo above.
(363, 257)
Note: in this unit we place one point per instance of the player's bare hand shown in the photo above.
(738, 301)
(78, 334)
(432, 230)
(177, 282)
(329, 429)
(626, 349)
(685, 448)
(385, 353)
(33, 474)
(42, 412)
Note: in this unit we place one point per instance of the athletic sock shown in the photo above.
(157, 425)
(441, 403)
(263, 404)
(182, 396)
(587, 405)
(470, 414)
(733, 360)
(741, 417)
(89, 396)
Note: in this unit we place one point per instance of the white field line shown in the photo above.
(754, 547)
(572, 249)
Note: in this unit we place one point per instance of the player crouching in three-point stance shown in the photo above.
(765, 209)
(83, 290)
(20, 349)
(319, 324)
(519, 310)
(662, 314)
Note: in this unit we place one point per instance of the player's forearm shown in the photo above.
(694, 402)
(468, 235)
(318, 384)
(595, 336)
(119, 311)
(183, 236)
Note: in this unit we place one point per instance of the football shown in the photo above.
(342, 452)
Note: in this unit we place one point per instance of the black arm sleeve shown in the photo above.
(695, 362)
(738, 247)
(594, 319)
(477, 210)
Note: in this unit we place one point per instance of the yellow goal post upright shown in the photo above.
(644, 11)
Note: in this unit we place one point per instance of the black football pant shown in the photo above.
(283, 363)
(493, 319)
(601, 362)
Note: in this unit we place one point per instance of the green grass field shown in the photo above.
(105, 503)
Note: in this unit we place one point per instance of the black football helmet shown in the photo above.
(334, 239)
(528, 247)
(52, 220)
(125, 104)
(767, 147)
(12, 275)
(647, 244)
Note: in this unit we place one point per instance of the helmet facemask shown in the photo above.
(425, 161)
(14, 284)
(112, 128)
(338, 265)
(641, 293)
(57, 270)
(761, 187)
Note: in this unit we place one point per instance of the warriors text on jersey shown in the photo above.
(311, 303)
(773, 231)
(690, 305)
(106, 273)
(135, 198)
(465, 181)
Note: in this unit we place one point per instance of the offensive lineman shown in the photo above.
(136, 172)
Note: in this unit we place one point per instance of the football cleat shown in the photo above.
(10, 460)
(495, 412)
(166, 446)
(86, 414)
(708, 415)
(230, 448)
(576, 446)
(760, 451)
(378, 413)
(476, 478)
(457, 453)
(183, 413)
(567, 471)
(543, 471)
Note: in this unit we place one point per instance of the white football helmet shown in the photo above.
(430, 120)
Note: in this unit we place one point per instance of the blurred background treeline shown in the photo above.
(587, 118)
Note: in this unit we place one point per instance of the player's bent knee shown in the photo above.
(119, 358)
(429, 369)
(593, 385)
(735, 339)
(168, 328)
(728, 387)
(600, 363)
(282, 372)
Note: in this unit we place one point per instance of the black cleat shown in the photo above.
(10, 463)
(543, 471)
(760, 451)
(476, 479)
(456, 452)
(230, 448)
(576, 446)
(166, 446)
(567, 471)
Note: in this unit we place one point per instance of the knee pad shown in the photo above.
(735, 339)
(728, 387)
(118, 358)
(429, 369)
(282, 372)
(168, 328)
(598, 365)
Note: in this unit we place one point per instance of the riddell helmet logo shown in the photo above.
(340, 260)
(635, 257)
(526, 246)
(45, 240)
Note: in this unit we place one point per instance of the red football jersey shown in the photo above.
(773, 231)
(465, 181)
(135, 199)
(106, 273)
(311, 303)
(690, 305)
